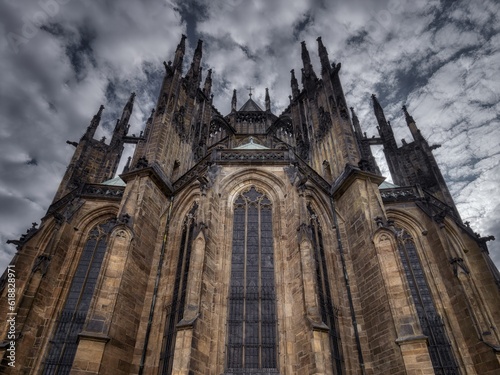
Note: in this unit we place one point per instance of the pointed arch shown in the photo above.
(274, 186)
(252, 336)
(269, 183)
(431, 322)
(72, 318)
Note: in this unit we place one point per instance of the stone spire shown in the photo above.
(355, 123)
(207, 87)
(127, 110)
(412, 125)
(294, 84)
(384, 127)
(308, 74)
(323, 56)
(195, 64)
(306, 61)
(179, 53)
(94, 123)
(122, 125)
(233, 101)
(268, 101)
(409, 119)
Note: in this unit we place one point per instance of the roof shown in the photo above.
(251, 146)
(117, 181)
(250, 106)
(387, 185)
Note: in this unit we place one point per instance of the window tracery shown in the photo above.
(432, 324)
(70, 323)
(252, 301)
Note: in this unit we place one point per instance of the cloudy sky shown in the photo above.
(61, 59)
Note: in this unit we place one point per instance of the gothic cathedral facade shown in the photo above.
(252, 243)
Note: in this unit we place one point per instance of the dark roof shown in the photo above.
(250, 106)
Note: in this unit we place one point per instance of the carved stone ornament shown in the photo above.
(41, 264)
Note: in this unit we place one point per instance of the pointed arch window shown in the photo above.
(70, 323)
(440, 349)
(251, 342)
(327, 308)
(175, 310)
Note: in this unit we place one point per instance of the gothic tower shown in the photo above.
(251, 243)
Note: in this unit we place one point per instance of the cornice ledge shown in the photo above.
(348, 176)
(411, 339)
(93, 336)
(157, 175)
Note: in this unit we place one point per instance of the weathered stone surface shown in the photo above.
(161, 299)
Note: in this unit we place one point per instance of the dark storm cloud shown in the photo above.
(60, 63)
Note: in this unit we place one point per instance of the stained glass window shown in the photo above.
(440, 350)
(252, 300)
(72, 318)
(327, 309)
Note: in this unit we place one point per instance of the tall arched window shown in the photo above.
(440, 350)
(72, 318)
(252, 303)
(175, 310)
(327, 309)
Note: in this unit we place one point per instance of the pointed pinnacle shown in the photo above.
(323, 56)
(306, 59)
(199, 46)
(353, 113)
(408, 117)
(182, 44)
(99, 112)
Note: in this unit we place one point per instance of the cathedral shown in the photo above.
(251, 243)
